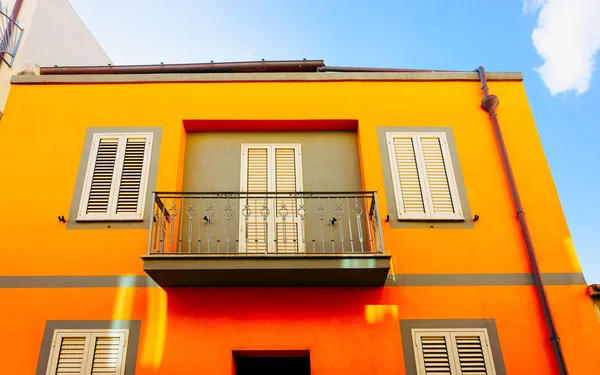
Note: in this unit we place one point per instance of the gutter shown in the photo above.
(225, 67)
(489, 103)
(348, 69)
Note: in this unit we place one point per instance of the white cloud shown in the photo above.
(532, 5)
(567, 38)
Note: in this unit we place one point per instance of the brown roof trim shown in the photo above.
(259, 77)
(223, 67)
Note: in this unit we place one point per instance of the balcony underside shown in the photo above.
(211, 270)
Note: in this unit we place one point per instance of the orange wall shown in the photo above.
(202, 327)
(41, 138)
(61, 113)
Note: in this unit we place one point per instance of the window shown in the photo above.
(422, 175)
(452, 352)
(272, 223)
(116, 178)
(87, 352)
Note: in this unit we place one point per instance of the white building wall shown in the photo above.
(53, 35)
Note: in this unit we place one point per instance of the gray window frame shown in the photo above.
(134, 327)
(81, 174)
(406, 325)
(390, 197)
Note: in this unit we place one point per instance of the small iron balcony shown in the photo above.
(10, 37)
(266, 239)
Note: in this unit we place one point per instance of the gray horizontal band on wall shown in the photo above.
(262, 77)
(484, 279)
(75, 281)
(489, 279)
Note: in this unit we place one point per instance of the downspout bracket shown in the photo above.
(490, 102)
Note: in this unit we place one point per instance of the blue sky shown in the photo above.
(425, 34)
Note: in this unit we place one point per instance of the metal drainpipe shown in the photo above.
(489, 103)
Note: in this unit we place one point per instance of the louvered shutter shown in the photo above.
(424, 181)
(432, 354)
(472, 353)
(131, 175)
(452, 352)
(102, 176)
(257, 181)
(108, 353)
(410, 194)
(116, 179)
(286, 225)
(436, 176)
(69, 353)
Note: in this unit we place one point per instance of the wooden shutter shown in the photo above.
(99, 352)
(452, 352)
(405, 162)
(432, 354)
(286, 226)
(257, 181)
(108, 356)
(69, 353)
(131, 176)
(116, 178)
(472, 352)
(424, 181)
(102, 176)
(436, 174)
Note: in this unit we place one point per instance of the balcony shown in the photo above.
(11, 34)
(266, 239)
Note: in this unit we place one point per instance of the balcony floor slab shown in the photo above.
(273, 270)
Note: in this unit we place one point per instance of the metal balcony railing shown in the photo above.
(265, 223)
(10, 34)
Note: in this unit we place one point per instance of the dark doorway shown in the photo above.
(271, 363)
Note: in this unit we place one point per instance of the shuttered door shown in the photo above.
(257, 181)
(108, 354)
(69, 355)
(102, 176)
(285, 181)
(411, 193)
(131, 176)
(436, 176)
(271, 168)
(432, 355)
(472, 354)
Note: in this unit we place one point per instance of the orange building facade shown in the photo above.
(308, 222)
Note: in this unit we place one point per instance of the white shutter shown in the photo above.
(87, 352)
(102, 176)
(473, 354)
(257, 181)
(286, 226)
(109, 350)
(410, 192)
(257, 167)
(452, 352)
(131, 176)
(423, 177)
(432, 354)
(69, 353)
(116, 179)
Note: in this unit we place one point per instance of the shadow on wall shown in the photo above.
(302, 304)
